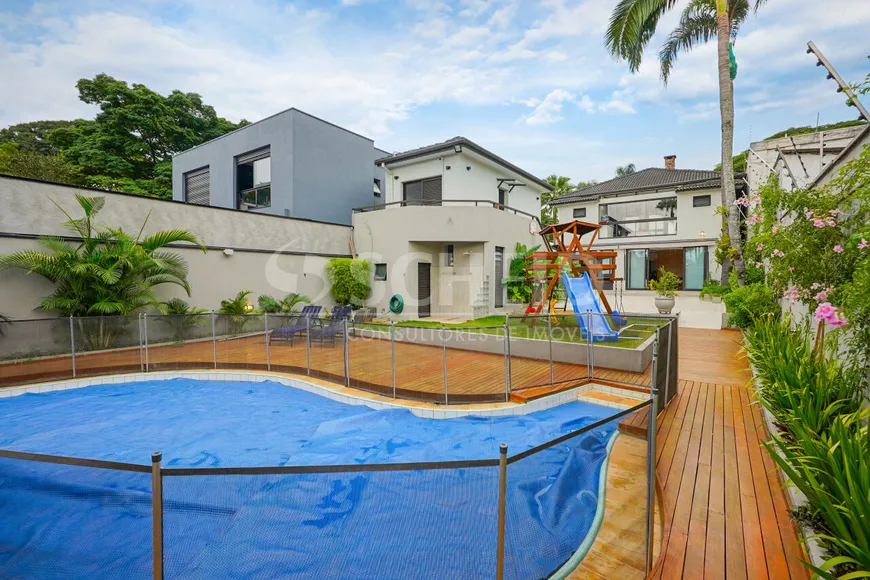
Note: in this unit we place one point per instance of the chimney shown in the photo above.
(670, 161)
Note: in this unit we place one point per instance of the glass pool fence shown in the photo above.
(522, 357)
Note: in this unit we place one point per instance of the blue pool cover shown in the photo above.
(75, 522)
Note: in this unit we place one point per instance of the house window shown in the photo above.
(502, 199)
(422, 192)
(254, 179)
(196, 187)
(579, 212)
(380, 271)
(378, 191)
(654, 217)
(448, 256)
(701, 201)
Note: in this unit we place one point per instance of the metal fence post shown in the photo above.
(268, 353)
(393, 354)
(591, 345)
(141, 356)
(502, 511)
(213, 339)
(157, 514)
(550, 344)
(145, 326)
(308, 345)
(72, 344)
(444, 362)
(667, 384)
(589, 373)
(346, 357)
(507, 346)
(651, 472)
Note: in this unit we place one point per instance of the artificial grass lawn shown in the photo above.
(564, 330)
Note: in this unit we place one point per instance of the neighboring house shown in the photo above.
(290, 164)
(452, 215)
(804, 160)
(656, 217)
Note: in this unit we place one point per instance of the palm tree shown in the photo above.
(561, 186)
(633, 24)
(625, 170)
(236, 308)
(181, 317)
(286, 305)
(109, 272)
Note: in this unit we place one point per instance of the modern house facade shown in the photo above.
(654, 218)
(291, 164)
(451, 218)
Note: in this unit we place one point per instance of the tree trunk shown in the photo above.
(726, 108)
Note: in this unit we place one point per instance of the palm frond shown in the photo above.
(698, 24)
(632, 25)
(158, 240)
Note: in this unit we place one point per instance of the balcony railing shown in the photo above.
(444, 202)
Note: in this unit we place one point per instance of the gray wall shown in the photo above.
(319, 170)
(271, 255)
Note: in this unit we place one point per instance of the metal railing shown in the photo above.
(434, 363)
(445, 202)
(507, 527)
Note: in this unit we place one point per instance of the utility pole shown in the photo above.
(834, 75)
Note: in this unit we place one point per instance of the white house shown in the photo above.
(443, 234)
(654, 218)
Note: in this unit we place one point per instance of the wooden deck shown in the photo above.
(725, 509)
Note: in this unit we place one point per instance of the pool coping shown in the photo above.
(307, 384)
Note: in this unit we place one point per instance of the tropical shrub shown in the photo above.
(285, 306)
(666, 285)
(109, 272)
(714, 289)
(181, 317)
(235, 310)
(746, 303)
(350, 280)
(518, 282)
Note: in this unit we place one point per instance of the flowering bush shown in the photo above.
(813, 247)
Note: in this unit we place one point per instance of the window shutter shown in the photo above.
(432, 191)
(196, 187)
(254, 155)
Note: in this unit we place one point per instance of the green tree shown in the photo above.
(37, 166)
(519, 284)
(633, 24)
(33, 137)
(561, 186)
(350, 280)
(108, 272)
(624, 170)
(130, 143)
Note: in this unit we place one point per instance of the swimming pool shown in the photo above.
(74, 522)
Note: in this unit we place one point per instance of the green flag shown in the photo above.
(732, 61)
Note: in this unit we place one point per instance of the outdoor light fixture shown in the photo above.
(457, 148)
(702, 234)
(249, 307)
(228, 252)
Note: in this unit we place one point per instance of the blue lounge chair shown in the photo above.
(297, 325)
(329, 329)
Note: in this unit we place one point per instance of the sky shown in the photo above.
(530, 80)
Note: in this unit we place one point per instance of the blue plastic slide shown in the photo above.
(583, 298)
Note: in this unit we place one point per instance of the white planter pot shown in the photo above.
(664, 305)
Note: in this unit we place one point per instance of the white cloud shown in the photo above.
(586, 104)
(549, 110)
(620, 102)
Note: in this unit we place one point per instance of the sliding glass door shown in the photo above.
(636, 260)
(696, 268)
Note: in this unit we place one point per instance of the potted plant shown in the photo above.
(665, 288)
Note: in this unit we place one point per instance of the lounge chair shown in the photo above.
(329, 329)
(297, 325)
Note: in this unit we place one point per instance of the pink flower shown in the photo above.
(834, 212)
(791, 268)
(821, 296)
(838, 249)
(864, 243)
(832, 223)
(819, 223)
(756, 200)
(778, 253)
(815, 286)
(755, 218)
(759, 247)
(838, 319)
(773, 229)
(759, 265)
(809, 215)
(830, 315)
